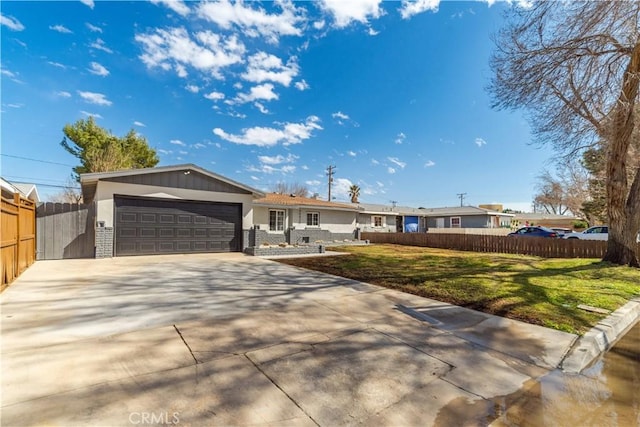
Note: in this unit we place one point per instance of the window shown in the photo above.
(313, 219)
(377, 221)
(276, 220)
(455, 222)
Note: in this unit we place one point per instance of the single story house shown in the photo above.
(391, 219)
(169, 209)
(545, 219)
(466, 217)
(287, 218)
(30, 191)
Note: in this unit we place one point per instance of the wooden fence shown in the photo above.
(18, 247)
(65, 230)
(537, 246)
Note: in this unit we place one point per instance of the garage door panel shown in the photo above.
(147, 226)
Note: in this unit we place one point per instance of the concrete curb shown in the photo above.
(601, 337)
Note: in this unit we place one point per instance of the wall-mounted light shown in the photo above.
(187, 172)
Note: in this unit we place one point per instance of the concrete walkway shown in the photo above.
(236, 340)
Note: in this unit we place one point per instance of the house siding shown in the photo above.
(466, 221)
(333, 225)
(365, 223)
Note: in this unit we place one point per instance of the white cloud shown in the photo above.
(181, 70)
(276, 160)
(94, 115)
(192, 88)
(372, 32)
(255, 178)
(177, 142)
(215, 96)
(7, 73)
(98, 69)
(397, 162)
(63, 94)
(11, 22)
(340, 188)
(313, 183)
(346, 12)
(95, 98)
(89, 3)
(199, 145)
(61, 29)
(207, 52)
(177, 6)
(93, 28)
(340, 116)
(137, 123)
(164, 152)
(429, 164)
(183, 152)
(351, 153)
(261, 92)
(266, 67)
(15, 105)
(255, 22)
(57, 64)
(318, 25)
(408, 8)
(289, 133)
(261, 108)
(100, 45)
(301, 85)
(400, 138)
(480, 142)
(287, 169)
(375, 162)
(391, 170)
(304, 167)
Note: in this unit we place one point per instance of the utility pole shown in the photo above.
(461, 197)
(393, 204)
(330, 172)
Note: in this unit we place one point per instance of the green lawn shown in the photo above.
(535, 290)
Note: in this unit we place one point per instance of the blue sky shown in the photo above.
(391, 93)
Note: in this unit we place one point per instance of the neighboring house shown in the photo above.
(170, 209)
(284, 218)
(391, 219)
(466, 217)
(545, 220)
(30, 191)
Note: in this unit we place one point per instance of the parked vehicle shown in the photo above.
(534, 231)
(562, 231)
(599, 232)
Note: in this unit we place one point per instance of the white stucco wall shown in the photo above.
(106, 190)
(333, 221)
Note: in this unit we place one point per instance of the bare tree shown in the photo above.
(294, 188)
(576, 67)
(562, 192)
(69, 194)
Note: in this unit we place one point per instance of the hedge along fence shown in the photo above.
(537, 246)
(18, 249)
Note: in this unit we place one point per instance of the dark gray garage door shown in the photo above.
(146, 226)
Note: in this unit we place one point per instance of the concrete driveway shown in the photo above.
(238, 340)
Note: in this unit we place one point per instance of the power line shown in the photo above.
(35, 160)
(461, 196)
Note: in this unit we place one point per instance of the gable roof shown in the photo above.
(30, 191)
(462, 211)
(290, 200)
(89, 181)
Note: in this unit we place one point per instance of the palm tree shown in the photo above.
(354, 193)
